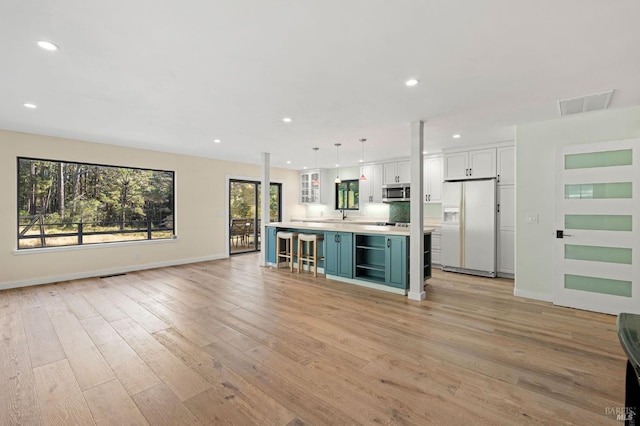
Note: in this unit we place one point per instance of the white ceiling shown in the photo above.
(172, 76)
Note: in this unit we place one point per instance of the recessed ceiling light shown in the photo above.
(30, 105)
(411, 82)
(217, 141)
(305, 167)
(360, 161)
(288, 161)
(425, 152)
(47, 45)
(456, 136)
(287, 120)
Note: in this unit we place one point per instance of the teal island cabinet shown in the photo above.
(338, 254)
(271, 244)
(382, 259)
(367, 255)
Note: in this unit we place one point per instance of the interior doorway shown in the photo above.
(245, 213)
(598, 243)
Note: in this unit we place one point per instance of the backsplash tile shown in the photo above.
(400, 211)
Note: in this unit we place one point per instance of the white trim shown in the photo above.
(533, 295)
(103, 272)
(368, 284)
(21, 252)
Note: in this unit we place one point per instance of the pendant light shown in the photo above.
(362, 176)
(338, 180)
(315, 149)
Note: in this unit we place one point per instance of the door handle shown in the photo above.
(560, 234)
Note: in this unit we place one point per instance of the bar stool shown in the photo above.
(305, 241)
(288, 238)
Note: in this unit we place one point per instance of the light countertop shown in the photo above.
(349, 226)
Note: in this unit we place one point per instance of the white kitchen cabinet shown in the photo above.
(435, 247)
(397, 172)
(310, 186)
(371, 189)
(506, 165)
(475, 164)
(432, 180)
(506, 230)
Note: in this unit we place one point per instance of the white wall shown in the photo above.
(200, 210)
(536, 149)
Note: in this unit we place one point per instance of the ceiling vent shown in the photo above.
(587, 103)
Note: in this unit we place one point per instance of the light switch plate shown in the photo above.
(532, 217)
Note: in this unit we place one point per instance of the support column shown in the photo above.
(416, 240)
(265, 198)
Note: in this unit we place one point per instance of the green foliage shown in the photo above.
(71, 193)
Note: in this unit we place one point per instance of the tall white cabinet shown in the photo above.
(432, 180)
(506, 211)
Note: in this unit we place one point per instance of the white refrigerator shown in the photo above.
(469, 227)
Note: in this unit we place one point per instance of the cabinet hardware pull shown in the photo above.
(498, 207)
(470, 173)
(498, 178)
(388, 242)
(426, 198)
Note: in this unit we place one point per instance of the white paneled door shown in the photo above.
(597, 223)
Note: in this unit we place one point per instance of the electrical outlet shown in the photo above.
(532, 217)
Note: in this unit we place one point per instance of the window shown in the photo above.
(66, 203)
(348, 195)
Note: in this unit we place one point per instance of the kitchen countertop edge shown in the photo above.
(349, 227)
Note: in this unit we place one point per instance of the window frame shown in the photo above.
(336, 194)
(79, 243)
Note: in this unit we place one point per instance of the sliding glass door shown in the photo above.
(245, 213)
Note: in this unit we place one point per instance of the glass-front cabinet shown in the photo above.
(310, 187)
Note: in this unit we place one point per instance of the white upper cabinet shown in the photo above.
(476, 164)
(506, 165)
(432, 180)
(397, 172)
(456, 166)
(371, 188)
(310, 187)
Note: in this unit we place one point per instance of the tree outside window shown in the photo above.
(348, 195)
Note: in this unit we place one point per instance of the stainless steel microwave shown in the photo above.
(396, 192)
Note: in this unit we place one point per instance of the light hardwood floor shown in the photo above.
(228, 342)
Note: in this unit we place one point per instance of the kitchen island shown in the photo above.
(368, 255)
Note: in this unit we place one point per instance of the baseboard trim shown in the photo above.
(103, 272)
(368, 284)
(533, 295)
